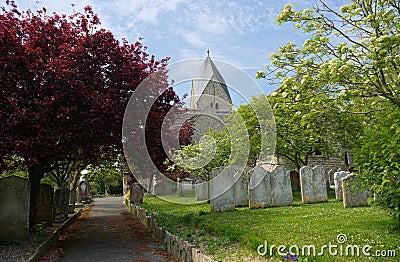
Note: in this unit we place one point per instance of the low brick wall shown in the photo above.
(182, 250)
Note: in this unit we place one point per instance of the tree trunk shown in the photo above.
(73, 183)
(36, 173)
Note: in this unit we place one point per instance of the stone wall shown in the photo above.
(332, 163)
(327, 164)
(180, 249)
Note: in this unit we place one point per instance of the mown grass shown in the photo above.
(236, 235)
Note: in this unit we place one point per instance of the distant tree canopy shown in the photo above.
(64, 84)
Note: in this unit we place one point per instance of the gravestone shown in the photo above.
(61, 203)
(352, 197)
(313, 185)
(306, 184)
(136, 193)
(185, 187)
(45, 205)
(338, 176)
(259, 188)
(146, 184)
(14, 209)
(320, 189)
(240, 189)
(84, 192)
(162, 186)
(201, 191)
(222, 192)
(281, 189)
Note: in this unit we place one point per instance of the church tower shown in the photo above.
(209, 90)
(210, 101)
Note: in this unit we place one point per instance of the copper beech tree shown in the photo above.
(65, 83)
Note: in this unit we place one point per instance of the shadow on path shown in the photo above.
(106, 232)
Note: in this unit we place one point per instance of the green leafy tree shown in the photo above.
(311, 122)
(199, 159)
(106, 178)
(352, 52)
(352, 56)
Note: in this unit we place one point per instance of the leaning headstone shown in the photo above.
(313, 186)
(45, 205)
(352, 197)
(201, 191)
(14, 209)
(61, 203)
(222, 192)
(136, 193)
(259, 188)
(281, 188)
(338, 176)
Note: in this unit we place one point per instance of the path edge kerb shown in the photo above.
(44, 247)
(179, 248)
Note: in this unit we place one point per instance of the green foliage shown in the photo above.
(40, 227)
(379, 160)
(39, 231)
(309, 121)
(353, 51)
(200, 159)
(21, 172)
(259, 128)
(14, 167)
(106, 178)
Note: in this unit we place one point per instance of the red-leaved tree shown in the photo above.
(64, 85)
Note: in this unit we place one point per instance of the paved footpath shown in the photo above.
(106, 232)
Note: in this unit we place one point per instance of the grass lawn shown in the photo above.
(236, 235)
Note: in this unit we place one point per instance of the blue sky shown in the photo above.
(242, 33)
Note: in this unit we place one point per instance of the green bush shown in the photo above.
(379, 159)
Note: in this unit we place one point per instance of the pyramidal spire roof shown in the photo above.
(207, 72)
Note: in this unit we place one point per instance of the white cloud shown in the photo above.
(140, 11)
(227, 17)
